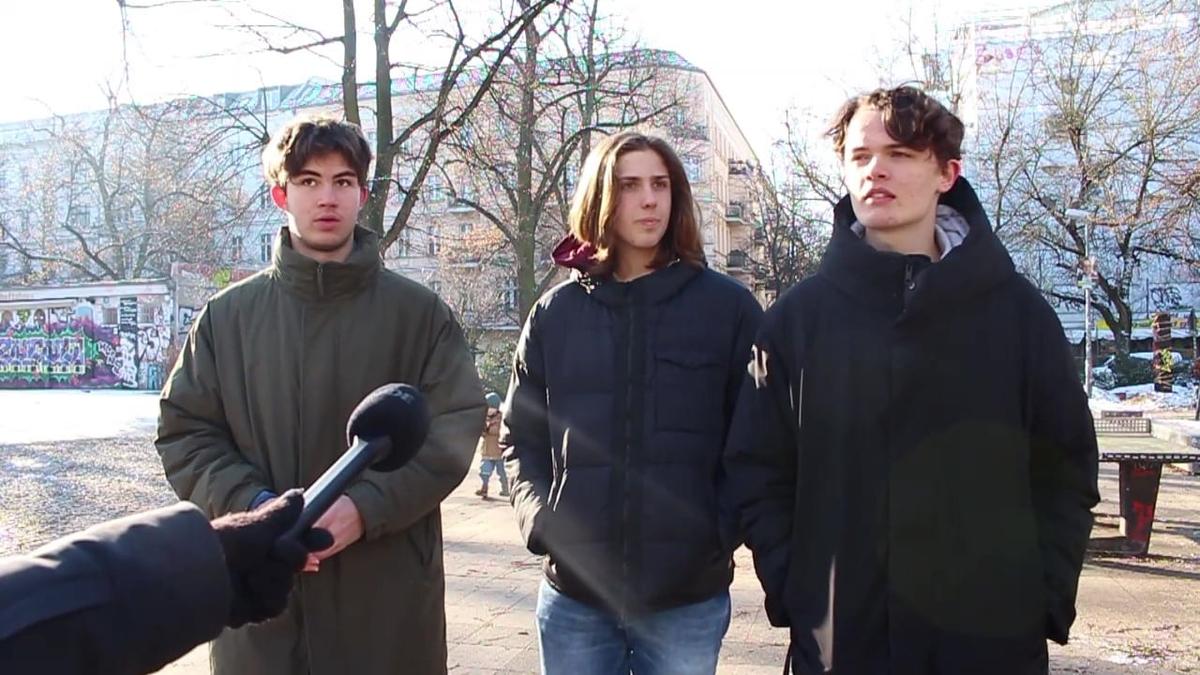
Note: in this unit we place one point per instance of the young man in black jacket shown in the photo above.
(913, 458)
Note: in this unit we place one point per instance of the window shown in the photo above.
(149, 310)
(405, 245)
(110, 316)
(465, 191)
(235, 249)
(465, 228)
(431, 242)
(509, 294)
(433, 189)
(79, 216)
(265, 243)
(435, 286)
(692, 166)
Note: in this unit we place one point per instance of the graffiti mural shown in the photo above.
(60, 351)
(127, 329)
(186, 316)
(153, 345)
(64, 346)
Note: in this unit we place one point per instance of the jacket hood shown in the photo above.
(331, 280)
(659, 285)
(972, 262)
(949, 231)
(574, 254)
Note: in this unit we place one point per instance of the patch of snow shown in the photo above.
(40, 415)
(1127, 659)
(1143, 397)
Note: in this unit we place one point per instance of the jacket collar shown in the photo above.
(877, 278)
(579, 257)
(326, 281)
(654, 288)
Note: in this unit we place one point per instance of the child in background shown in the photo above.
(489, 449)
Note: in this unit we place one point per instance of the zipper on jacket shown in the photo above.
(625, 515)
(321, 280)
(909, 283)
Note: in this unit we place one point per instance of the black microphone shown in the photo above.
(385, 431)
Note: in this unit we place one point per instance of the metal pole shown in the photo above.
(1087, 308)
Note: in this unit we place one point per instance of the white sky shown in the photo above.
(764, 56)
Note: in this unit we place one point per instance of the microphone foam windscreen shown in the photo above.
(397, 412)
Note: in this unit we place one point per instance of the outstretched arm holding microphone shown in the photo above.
(133, 594)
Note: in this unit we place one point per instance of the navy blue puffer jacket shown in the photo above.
(614, 425)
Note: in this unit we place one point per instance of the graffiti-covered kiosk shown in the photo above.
(91, 335)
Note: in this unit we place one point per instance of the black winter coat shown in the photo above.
(915, 462)
(127, 596)
(616, 416)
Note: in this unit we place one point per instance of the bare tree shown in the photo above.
(516, 165)
(1096, 122)
(795, 204)
(435, 100)
(791, 236)
(123, 193)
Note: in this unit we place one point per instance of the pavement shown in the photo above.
(1135, 615)
(90, 456)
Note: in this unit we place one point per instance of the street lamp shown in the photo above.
(1089, 270)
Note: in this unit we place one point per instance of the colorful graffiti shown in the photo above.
(153, 352)
(65, 346)
(55, 348)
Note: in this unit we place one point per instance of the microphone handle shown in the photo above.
(324, 492)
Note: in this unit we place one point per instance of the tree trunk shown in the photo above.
(526, 215)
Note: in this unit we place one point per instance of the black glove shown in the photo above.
(261, 564)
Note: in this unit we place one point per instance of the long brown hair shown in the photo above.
(595, 202)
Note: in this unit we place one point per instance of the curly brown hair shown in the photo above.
(912, 117)
(309, 136)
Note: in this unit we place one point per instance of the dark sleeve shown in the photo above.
(746, 327)
(1064, 463)
(392, 501)
(127, 596)
(525, 437)
(199, 457)
(760, 465)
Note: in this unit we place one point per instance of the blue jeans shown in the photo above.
(578, 639)
(485, 472)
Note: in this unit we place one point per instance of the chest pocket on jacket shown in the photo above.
(689, 391)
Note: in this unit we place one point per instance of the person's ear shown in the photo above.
(950, 171)
(363, 195)
(279, 196)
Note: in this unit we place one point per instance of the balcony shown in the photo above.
(737, 213)
(738, 167)
(737, 261)
(459, 206)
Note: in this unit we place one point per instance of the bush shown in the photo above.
(1128, 372)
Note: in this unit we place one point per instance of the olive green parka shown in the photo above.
(259, 400)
